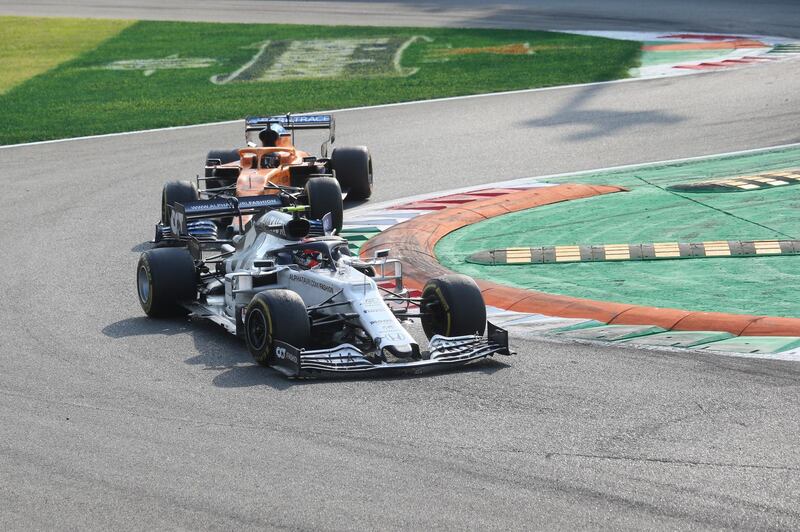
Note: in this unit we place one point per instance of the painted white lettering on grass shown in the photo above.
(149, 66)
(324, 58)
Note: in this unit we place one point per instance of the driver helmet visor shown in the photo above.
(279, 129)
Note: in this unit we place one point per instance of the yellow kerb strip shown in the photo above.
(717, 248)
(617, 252)
(518, 255)
(568, 253)
(666, 249)
(789, 175)
(764, 247)
(769, 181)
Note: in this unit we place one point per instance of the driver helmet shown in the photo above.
(269, 135)
(308, 258)
(271, 160)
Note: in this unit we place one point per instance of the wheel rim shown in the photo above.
(257, 329)
(435, 314)
(143, 283)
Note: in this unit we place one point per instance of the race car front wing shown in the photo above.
(347, 359)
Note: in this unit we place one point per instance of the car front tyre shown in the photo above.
(452, 305)
(275, 315)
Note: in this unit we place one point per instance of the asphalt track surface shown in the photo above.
(765, 17)
(113, 420)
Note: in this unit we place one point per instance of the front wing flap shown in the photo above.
(347, 359)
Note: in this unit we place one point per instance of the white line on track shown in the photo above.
(344, 110)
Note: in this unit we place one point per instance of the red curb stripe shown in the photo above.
(413, 242)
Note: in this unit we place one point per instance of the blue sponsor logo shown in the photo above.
(193, 207)
(253, 202)
(231, 204)
(308, 119)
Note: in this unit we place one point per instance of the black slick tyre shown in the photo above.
(452, 305)
(275, 315)
(176, 191)
(352, 166)
(165, 277)
(325, 196)
(224, 157)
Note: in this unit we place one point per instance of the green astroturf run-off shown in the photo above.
(757, 285)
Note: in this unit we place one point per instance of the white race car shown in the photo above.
(307, 307)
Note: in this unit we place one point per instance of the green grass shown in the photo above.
(31, 46)
(80, 97)
(755, 285)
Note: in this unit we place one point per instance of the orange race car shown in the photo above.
(272, 164)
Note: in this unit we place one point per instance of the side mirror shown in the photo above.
(327, 224)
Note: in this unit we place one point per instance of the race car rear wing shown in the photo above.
(290, 121)
(182, 213)
(295, 122)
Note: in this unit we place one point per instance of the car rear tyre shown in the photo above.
(275, 315)
(353, 168)
(176, 191)
(325, 196)
(452, 305)
(165, 277)
(224, 157)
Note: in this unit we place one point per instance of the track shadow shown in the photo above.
(254, 375)
(352, 204)
(143, 326)
(218, 351)
(251, 374)
(144, 246)
(598, 122)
